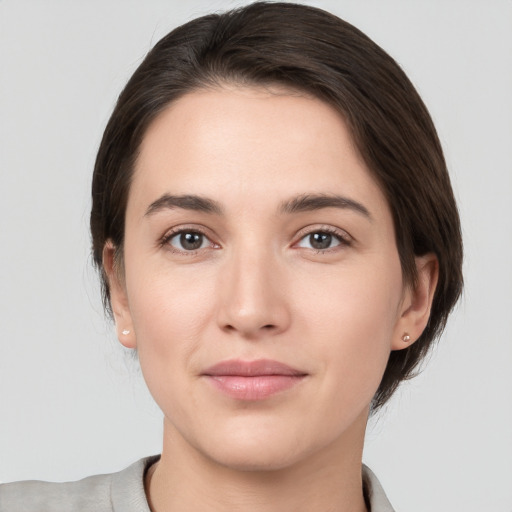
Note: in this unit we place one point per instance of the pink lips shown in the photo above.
(252, 380)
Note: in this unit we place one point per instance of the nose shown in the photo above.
(254, 302)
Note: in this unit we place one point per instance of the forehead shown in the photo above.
(253, 144)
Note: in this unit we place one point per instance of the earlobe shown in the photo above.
(118, 297)
(417, 303)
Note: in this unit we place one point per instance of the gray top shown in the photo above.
(118, 492)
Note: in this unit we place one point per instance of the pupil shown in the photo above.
(320, 240)
(191, 241)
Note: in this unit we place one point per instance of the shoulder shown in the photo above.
(123, 491)
(89, 494)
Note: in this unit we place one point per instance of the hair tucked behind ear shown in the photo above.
(310, 50)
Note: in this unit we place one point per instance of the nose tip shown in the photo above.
(254, 302)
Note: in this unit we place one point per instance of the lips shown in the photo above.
(252, 380)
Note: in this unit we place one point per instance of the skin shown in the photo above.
(257, 288)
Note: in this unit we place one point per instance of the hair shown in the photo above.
(310, 50)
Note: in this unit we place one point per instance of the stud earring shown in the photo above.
(406, 338)
(126, 332)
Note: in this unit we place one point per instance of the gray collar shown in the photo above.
(378, 501)
(127, 492)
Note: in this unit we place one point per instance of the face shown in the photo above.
(262, 284)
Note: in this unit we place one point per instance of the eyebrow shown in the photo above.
(302, 203)
(186, 202)
(312, 202)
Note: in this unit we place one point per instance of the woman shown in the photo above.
(278, 240)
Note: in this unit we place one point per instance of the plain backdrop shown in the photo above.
(71, 402)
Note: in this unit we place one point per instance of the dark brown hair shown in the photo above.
(310, 50)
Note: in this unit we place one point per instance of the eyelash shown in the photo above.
(342, 237)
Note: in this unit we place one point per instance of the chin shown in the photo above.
(271, 447)
(262, 457)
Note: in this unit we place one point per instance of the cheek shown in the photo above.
(355, 299)
(351, 318)
(169, 313)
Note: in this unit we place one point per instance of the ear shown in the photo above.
(118, 297)
(417, 303)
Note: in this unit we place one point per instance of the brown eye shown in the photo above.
(322, 240)
(188, 241)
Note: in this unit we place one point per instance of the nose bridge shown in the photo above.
(253, 300)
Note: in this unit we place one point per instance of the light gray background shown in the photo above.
(70, 406)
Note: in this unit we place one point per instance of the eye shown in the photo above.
(187, 241)
(322, 240)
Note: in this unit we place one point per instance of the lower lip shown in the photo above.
(256, 387)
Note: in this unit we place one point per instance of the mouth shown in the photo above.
(252, 380)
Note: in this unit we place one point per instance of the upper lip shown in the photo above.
(255, 368)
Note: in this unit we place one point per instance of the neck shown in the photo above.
(186, 480)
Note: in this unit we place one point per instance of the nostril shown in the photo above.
(267, 327)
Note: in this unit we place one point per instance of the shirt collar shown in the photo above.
(128, 494)
(374, 492)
